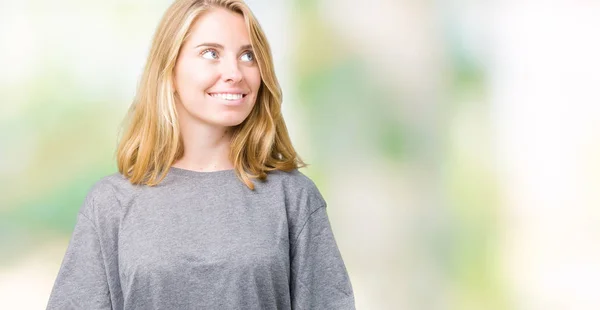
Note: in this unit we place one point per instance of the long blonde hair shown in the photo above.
(151, 140)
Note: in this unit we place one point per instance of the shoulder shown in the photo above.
(294, 179)
(302, 198)
(113, 186)
(108, 195)
(300, 190)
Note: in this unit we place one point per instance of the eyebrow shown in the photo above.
(219, 46)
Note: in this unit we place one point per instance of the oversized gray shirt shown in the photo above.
(203, 240)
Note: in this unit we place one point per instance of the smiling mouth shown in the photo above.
(228, 96)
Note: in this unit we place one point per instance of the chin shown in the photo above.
(231, 122)
(233, 119)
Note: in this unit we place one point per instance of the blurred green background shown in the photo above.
(456, 142)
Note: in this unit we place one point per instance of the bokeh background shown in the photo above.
(457, 143)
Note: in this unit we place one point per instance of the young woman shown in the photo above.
(208, 210)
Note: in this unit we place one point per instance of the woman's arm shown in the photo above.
(319, 279)
(81, 282)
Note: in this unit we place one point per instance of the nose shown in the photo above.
(231, 72)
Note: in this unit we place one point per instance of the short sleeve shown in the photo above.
(81, 282)
(319, 279)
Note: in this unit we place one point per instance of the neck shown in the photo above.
(206, 148)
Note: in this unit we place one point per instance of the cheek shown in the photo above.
(194, 78)
(253, 79)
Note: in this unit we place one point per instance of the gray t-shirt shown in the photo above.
(203, 240)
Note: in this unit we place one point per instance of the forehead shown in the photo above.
(219, 25)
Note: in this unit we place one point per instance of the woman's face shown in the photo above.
(216, 75)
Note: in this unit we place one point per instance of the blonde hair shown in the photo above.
(151, 140)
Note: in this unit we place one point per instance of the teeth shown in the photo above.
(228, 96)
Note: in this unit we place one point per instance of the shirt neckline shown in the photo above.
(200, 174)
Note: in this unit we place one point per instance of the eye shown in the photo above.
(248, 56)
(209, 54)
